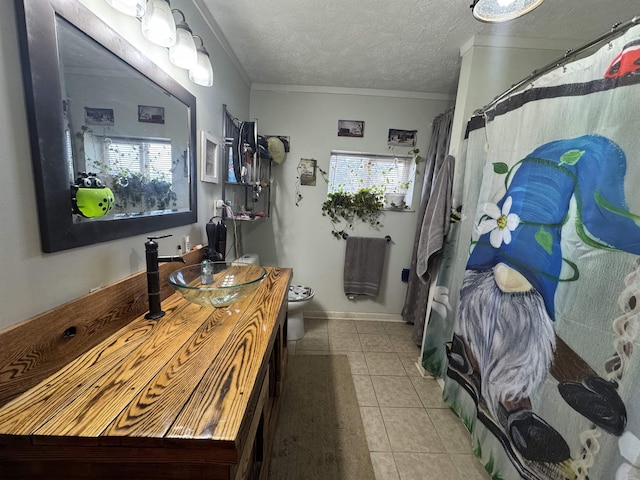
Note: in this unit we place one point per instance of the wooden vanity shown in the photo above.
(191, 395)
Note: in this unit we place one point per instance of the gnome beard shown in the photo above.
(511, 338)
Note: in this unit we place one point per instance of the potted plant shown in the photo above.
(364, 205)
(134, 189)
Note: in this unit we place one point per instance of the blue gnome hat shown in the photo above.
(590, 168)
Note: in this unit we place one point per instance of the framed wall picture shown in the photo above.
(307, 171)
(98, 116)
(350, 128)
(210, 147)
(402, 138)
(148, 114)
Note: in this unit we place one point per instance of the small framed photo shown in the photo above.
(307, 171)
(210, 147)
(148, 114)
(350, 128)
(402, 138)
(98, 116)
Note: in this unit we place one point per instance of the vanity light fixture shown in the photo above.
(493, 11)
(133, 8)
(183, 54)
(202, 72)
(158, 25)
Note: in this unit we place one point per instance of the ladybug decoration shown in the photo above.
(90, 198)
(626, 63)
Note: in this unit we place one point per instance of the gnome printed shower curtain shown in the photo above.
(540, 354)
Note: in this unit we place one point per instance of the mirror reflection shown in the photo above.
(123, 134)
(112, 134)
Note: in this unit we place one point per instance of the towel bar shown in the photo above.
(386, 237)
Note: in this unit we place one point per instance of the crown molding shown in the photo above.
(529, 43)
(265, 87)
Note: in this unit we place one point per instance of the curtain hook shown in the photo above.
(486, 131)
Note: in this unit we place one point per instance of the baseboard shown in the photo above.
(371, 317)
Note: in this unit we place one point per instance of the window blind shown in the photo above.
(352, 171)
(152, 158)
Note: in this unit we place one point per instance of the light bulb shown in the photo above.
(202, 72)
(502, 10)
(133, 8)
(158, 25)
(183, 54)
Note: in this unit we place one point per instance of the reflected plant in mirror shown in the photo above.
(140, 172)
(85, 88)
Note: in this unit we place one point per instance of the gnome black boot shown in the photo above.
(597, 400)
(535, 439)
(457, 355)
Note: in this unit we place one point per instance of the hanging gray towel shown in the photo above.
(435, 224)
(363, 264)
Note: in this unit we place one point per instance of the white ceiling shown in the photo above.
(409, 45)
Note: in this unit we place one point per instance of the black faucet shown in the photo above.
(153, 275)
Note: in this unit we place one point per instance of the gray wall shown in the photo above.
(299, 236)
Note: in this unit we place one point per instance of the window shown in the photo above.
(149, 157)
(68, 149)
(351, 171)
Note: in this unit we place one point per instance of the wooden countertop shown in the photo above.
(188, 379)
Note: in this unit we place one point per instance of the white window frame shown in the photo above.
(385, 172)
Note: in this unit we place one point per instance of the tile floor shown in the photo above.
(412, 433)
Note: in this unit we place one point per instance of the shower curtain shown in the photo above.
(415, 304)
(536, 310)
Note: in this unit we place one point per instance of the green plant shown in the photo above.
(395, 195)
(135, 189)
(365, 205)
(416, 159)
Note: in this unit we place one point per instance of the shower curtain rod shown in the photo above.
(617, 29)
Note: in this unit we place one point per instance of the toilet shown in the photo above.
(299, 297)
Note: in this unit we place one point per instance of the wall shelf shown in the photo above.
(252, 195)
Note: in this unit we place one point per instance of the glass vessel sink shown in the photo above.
(230, 282)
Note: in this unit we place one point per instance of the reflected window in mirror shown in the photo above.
(139, 171)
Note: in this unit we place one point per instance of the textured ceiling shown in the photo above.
(410, 45)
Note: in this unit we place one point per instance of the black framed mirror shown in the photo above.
(99, 109)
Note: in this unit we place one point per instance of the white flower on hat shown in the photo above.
(629, 446)
(501, 223)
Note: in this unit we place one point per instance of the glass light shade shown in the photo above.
(183, 54)
(158, 25)
(202, 73)
(133, 8)
(493, 11)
